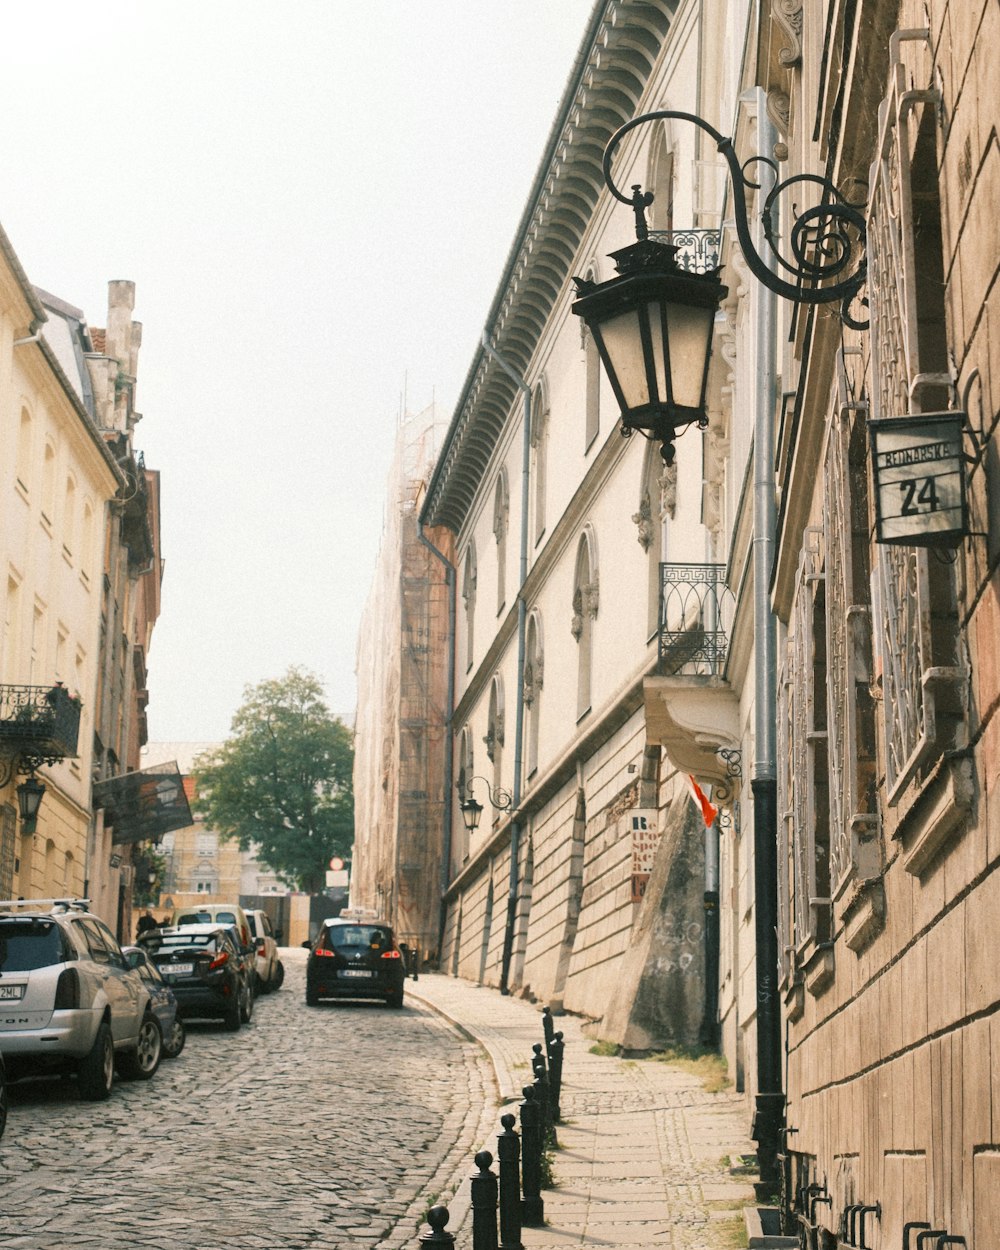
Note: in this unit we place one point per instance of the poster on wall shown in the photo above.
(645, 839)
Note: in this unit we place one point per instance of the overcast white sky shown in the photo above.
(315, 199)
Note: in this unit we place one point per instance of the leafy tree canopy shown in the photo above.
(281, 782)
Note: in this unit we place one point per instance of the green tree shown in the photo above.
(281, 782)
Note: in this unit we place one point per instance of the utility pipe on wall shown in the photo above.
(769, 1110)
(522, 618)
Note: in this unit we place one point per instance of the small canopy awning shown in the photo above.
(144, 805)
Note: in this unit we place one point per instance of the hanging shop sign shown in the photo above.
(919, 470)
(645, 839)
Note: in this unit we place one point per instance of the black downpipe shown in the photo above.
(769, 1112)
(708, 1035)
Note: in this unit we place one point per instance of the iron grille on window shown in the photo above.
(916, 619)
(803, 782)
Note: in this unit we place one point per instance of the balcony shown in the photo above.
(39, 722)
(691, 710)
(694, 600)
(697, 250)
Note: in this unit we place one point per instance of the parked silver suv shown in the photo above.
(69, 1000)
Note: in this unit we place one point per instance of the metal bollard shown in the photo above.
(436, 1235)
(509, 1159)
(544, 1097)
(548, 1027)
(532, 1207)
(555, 1075)
(484, 1204)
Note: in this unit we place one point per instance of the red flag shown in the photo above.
(708, 810)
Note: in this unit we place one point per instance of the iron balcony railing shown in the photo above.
(41, 721)
(695, 603)
(697, 250)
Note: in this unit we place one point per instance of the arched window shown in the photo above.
(501, 512)
(469, 599)
(86, 540)
(24, 451)
(49, 483)
(495, 731)
(465, 774)
(534, 676)
(657, 504)
(586, 598)
(69, 517)
(592, 400)
(539, 446)
(661, 181)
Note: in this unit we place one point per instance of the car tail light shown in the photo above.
(320, 951)
(391, 955)
(68, 990)
(218, 961)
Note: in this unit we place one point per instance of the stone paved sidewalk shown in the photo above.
(644, 1150)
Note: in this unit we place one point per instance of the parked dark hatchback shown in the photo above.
(355, 959)
(205, 969)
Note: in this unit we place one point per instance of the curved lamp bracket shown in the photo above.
(827, 241)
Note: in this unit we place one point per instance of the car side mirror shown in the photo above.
(133, 958)
(306, 946)
(259, 944)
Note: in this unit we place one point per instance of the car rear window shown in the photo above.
(194, 917)
(29, 944)
(157, 942)
(342, 936)
(252, 922)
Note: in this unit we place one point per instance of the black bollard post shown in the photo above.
(484, 1204)
(547, 1026)
(436, 1235)
(509, 1157)
(544, 1098)
(555, 1075)
(532, 1207)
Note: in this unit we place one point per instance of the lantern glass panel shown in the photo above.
(690, 331)
(623, 349)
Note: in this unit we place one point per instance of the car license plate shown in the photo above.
(181, 970)
(11, 991)
(355, 972)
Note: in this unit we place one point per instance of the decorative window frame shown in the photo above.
(919, 663)
(803, 802)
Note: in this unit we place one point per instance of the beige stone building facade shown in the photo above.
(58, 478)
(740, 617)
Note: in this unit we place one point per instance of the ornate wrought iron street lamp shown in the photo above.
(29, 799)
(652, 324)
(471, 810)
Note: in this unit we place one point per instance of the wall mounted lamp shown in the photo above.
(652, 324)
(29, 800)
(500, 800)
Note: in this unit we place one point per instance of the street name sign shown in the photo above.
(919, 469)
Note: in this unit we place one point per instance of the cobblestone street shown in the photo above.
(311, 1128)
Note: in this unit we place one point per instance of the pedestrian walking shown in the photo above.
(146, 922)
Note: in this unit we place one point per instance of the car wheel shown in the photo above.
(246, 1010)
(4, 1101)
(96, 1070)
(233, 1019)
(312, 998)
(174, 1039)
(279, 975)
(141, 1063)
(395, 1000)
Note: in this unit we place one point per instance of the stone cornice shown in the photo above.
(619, 50)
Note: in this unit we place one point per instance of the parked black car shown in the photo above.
(354, 959)
(206, 970)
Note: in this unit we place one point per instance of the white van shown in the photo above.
(215, 913)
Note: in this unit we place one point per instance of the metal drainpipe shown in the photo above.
(522, 618)
(769, 1110)
(445, 880)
